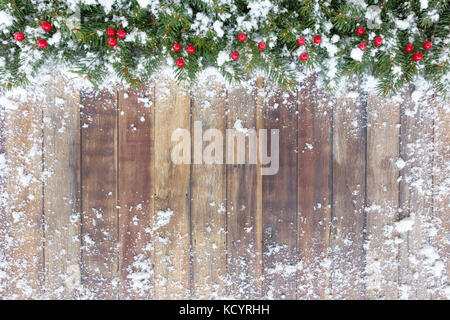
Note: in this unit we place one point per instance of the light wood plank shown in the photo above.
(208, 197)
(4, 272)
(244, 240)
(348, 216)
(99, 230)
(135, 183)
(417, 252)
(171, 216)
(279, 198)
(61, 189)
(383, 141)
(23, 251)
(441, 198)
(314, 189)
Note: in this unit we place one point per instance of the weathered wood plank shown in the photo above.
(348, 216)
(314, 190)
(135, 181)
(99, 230)
(23, 248)
(4, 272)
(171, 216)
(61, 189)
(208, 193)
(441, 198)
(383, 141)
(279, 197)
(417, 253)
(244, 263)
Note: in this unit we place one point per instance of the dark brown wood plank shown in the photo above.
(348, 215)
(61, 189)
(314, 189)
(279, 198)
(208, 196)
(24, 251)
(383, 141)
(171, 216)
(244, 264)
(135, 181)
(99, 229)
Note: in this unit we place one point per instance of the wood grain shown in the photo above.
(4, 272)
(24, 250)
(244, 264)
(383, 141)
(171, 256)
(416, 197)
(99, 231)
(93, 207)
(348, 215)
(441, 198)
(208, 197)
(279, 196)
(61, 189)
(135, 183)
(314, 189)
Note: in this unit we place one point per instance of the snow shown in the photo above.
(218, 28)
(356, 54)
(144, 3)
(223, 57)
(400, 163)
(163, 218)
(6, 20)
(405, 225)
(238, 126)
(423, 4)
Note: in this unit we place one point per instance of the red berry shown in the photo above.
(409, 47)
(190, 49)
(360, 31)
(262, 45)
(176, 47)
(418, 56)
(301, 41)
(42, 43)
(378, 41)
(304, 56)
(427, 45)
(235, 55)
(121, 33)
(180, 62)
(242, 37)
(19, 36)
(112, 42)
(362, 46)
(46, 26)
(110, 32)
(317, 39)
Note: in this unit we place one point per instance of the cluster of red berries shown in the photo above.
(242, 37)
(111, 33)
(42, 43)
(418, 55)
(177, 47)
(301, 41)
(234, 55)
(378, 41)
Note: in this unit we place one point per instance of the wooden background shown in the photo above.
(358, 210)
